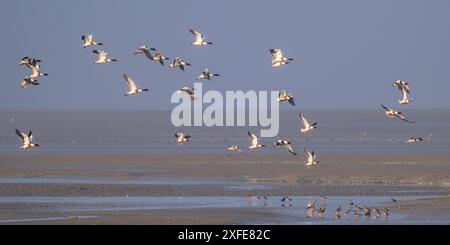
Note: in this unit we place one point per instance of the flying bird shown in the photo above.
(27, 81)
(286, 144)
(254, 141)
(89, 41)
(102, 57)
(206, 74)
(307, 127)
(278, 59)
(30, 62)
(27, 140)
(283, 96)
(234, 148)
(132, 88)
(390, 112)
(182, 138)
(145, 51)
(179, 62)
(33, 65)
(187, 91)
(414, 140)
(310, 158)
(199, 39)
(161, 58)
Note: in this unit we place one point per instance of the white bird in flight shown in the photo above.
(254, 141)
(390, 112)
(182, 137)
(310, 158)
(234, 148)
(132, 88)
(33, 65)
(179, 62)
(307, 127)
(206, 74)
(30, 62)
(283, 96)
(27, 140)
(89, 41)
(286, 144)
(278, 59)
(414, 140)
(102, 57)
(146, 51)
(199, 39)
(187, 91)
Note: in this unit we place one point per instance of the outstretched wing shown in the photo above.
(253, 138)
(130, 82)
(309, 155)
(303, 119)
(289, 148)
(385, 108)
(403, 118)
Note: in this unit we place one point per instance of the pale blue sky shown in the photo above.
(347, 53)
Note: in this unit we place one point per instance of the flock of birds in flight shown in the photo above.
(278, 60)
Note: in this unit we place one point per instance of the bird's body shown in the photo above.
(286, 144)
(414, 140)
(132, 88)
(27, 140)
(390, 112)
(311, 204)
(206, 74)
(234, 148)
(182, 138)
(278, 59)
(36, 73)
(254, 142)
(307, 127)
(310, 158)
(160, 58)
(102, 57)
(199, 39)
(145, 51)
(187, 91)
(88, 41)
(179, 62)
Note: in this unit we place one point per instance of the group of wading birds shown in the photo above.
(315, 209)
(278, 60)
